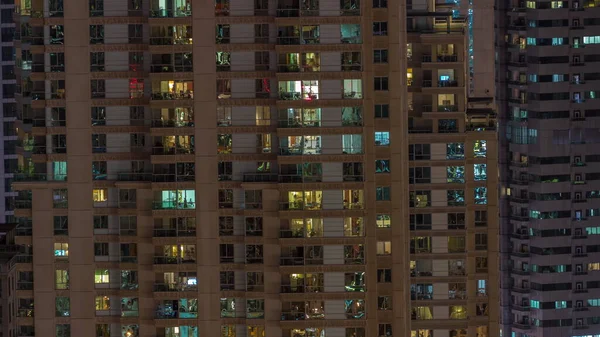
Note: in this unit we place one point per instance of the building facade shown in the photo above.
(266, 194)
(547, 96)
(8, 106)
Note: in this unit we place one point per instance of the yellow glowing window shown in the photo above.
(594, 266)
(102, 303)
(101, 276)
(61, 250)
(256, 331)
(384, 247)
(100, 194)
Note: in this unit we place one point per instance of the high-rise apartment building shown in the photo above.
(8, 108)
(547, 95)
(295, 187)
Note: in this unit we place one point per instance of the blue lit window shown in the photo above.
(481, 195)
(382, 138)
(480, 172)
(558, 78)
(480, 148)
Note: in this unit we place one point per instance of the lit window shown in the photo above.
(382, 138)
(480, 172)
(61, 250)
(61, 279)
(593, 266)
(100, 194)
(384, 247)
(102, 303)
(102, 276)
(384, 221)
(481, 195)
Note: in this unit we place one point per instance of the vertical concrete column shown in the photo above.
(43, 264)
(272, 251)
(207, 213)
(399, 163)
(79, 159)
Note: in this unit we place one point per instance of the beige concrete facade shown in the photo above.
(264, 196)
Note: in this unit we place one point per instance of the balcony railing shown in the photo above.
(170, 204)
(172, 232)
(260, 177)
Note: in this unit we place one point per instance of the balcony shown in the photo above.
(175, 9)
(173, 205)
(172, 287)
(260, 177)
(160, 260)
(172, 95)
(133, 176)
(173, 232)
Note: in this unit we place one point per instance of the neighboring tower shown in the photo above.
(8, 110)
(453, 177)
(547, 94)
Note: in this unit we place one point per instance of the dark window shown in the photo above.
(8, 90)
(8, 34)
(380, 56)
(8, 53)
(381, 83)
(382, 111)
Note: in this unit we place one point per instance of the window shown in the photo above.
(382, 166)
(380, 28)
(382, 138)
(62, 306)
(383, 193)
(97, 61)
(128, 225)
(102, 276)
(385, 330)
(100, 222)
(96, 7)
(100, 194)
(381, 83)
(419, 151)
(384, 247)
(419, 175)
(98, 116)
(136, 61)
(136, 33)
(384, 275)
(98, 88)
(59, 198)
(383, 221)
(61, 251)
(98, 143)
(102, 303)
(100, 248)
(63, 330)
(61, 280)
(96, 34)
(261, 33)
(261, 63)
(99, 170)
(481, 241)
(380, 55)
(480, 218)
(382, 111)
(61, 225)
